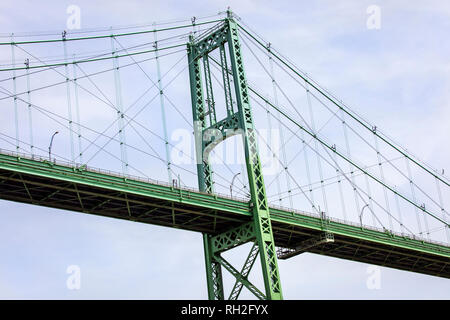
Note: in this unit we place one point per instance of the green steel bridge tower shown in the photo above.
(212, 131)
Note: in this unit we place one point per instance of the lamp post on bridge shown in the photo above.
(360, 215)
(50, 146)
(232, 181)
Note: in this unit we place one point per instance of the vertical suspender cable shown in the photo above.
(229, 104)
(413, 195)
(382, 178)
(209, 92)
(352, 177)
(69, 103)
(226, 81)
(402, 228)
(280, 128)
(30, 119)
(16, 115)
(341, 193)
(319, 165)
(163, 110)
(119, 108)
(273, 155)
(77, 111)
(441, 204)
(209, 95)
(369, 193)
(308, 172)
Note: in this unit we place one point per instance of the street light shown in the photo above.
(232, 181)
(50, 146)
(362, 211)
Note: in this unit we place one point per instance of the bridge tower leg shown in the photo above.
(209, 132)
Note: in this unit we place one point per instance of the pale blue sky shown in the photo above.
(398, 77)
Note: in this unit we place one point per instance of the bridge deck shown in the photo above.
(40, 182)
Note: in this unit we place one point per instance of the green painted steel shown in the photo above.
(386, 237)
(213, 271)
(115, 182)
(204, 171)
(233, 238)
(240, 278)
(93, 59)
(248, 264)
(332, 149)
(108, 36)
(226, 81)
(261, 215)
(212, 132)
(85, 183)
(224, 222)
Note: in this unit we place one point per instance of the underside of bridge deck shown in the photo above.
(214, 217)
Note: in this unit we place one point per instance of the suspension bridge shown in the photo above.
(202, 125)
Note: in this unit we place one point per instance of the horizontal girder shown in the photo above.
(106, 194)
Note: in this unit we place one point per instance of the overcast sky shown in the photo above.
(398, 76)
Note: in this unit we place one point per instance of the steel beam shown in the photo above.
(103, 190)
(198, 49)
(325, 237)
(233, 238)
(213, 271)
(248, 264)
(239, 277)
